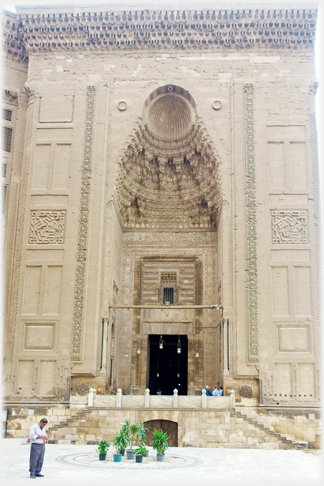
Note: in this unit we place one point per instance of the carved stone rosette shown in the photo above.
(83, 228)
(252, 285)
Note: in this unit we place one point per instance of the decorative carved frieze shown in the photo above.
(194, 236)
(47, 227)
(289, 227)
(220, 29)
(83, 227)
(252, 268)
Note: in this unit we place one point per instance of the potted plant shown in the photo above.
(120, 443)
(125, 431)
(160, 443)
(142, 436)
(102, 449)
(133, 436)
(140, 452)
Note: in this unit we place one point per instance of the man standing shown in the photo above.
(37, 436)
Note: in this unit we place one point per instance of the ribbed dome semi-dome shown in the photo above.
(169, 117)
(170, 112)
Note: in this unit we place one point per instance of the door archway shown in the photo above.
(168, 426)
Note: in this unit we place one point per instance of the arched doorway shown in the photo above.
(168, 369)
(171, 428)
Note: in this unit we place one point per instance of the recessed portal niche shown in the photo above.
(168, 369)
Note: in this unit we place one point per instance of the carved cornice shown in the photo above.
(175, 30)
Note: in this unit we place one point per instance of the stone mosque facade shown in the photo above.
(161, 188)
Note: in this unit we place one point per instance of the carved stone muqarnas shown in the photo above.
(47, 227)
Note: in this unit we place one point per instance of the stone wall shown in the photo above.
(216, 428)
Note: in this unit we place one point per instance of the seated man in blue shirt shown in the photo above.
(208, 392)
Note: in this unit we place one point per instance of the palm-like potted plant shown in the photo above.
(102, 449)
(142, 436)
(120, 443)
(160, 443)
(125, 431)
(133, 436)
(140, 452)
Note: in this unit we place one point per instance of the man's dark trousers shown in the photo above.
(37, 452)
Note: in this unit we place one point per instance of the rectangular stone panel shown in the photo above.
(56, 108)
(289, 227)
(54, 134)
(39, 336)
(47, 227)
(53, 290)
(285, 131)
(31, 289)
(303, 305)
(25, 380)
(287, 255)
(62, 166)
(298, 174)
(279, 281)
(41, 166)
(282, 379)
(275, 159)
(305, 379)
(47, 378)
(293, 339)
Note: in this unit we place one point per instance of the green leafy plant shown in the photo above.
(133, 434)
(121, 441)
(102, 447)
(140, 451)
(142, 433)
(160, 441)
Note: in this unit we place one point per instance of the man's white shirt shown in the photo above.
(34, 431)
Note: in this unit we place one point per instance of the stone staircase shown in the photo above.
(285, 442)
(64, 424)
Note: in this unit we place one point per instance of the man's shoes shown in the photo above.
(32, 476)
(39, 475)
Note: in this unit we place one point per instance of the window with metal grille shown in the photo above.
(168, 295)
(4, 170)
(6, 114)
(6, 139)
(4, 198)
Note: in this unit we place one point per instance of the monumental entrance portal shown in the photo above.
(161, 187)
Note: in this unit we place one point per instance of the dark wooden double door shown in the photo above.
(171, 428)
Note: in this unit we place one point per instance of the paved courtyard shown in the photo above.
(79, 464)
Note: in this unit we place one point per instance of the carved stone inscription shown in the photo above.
(289, 227)
(47, 227)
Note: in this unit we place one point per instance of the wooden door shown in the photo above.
(171, 428)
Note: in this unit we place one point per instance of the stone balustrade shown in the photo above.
(161, 401)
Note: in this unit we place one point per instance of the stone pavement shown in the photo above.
(79, 464)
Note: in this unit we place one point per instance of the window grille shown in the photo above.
(4, 170)
(168, 295)
(4, 198)
(6, 140)
(6, 115)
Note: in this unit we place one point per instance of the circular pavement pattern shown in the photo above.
(90, 459)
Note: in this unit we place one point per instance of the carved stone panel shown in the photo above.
(47, 227)
(289, 227)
